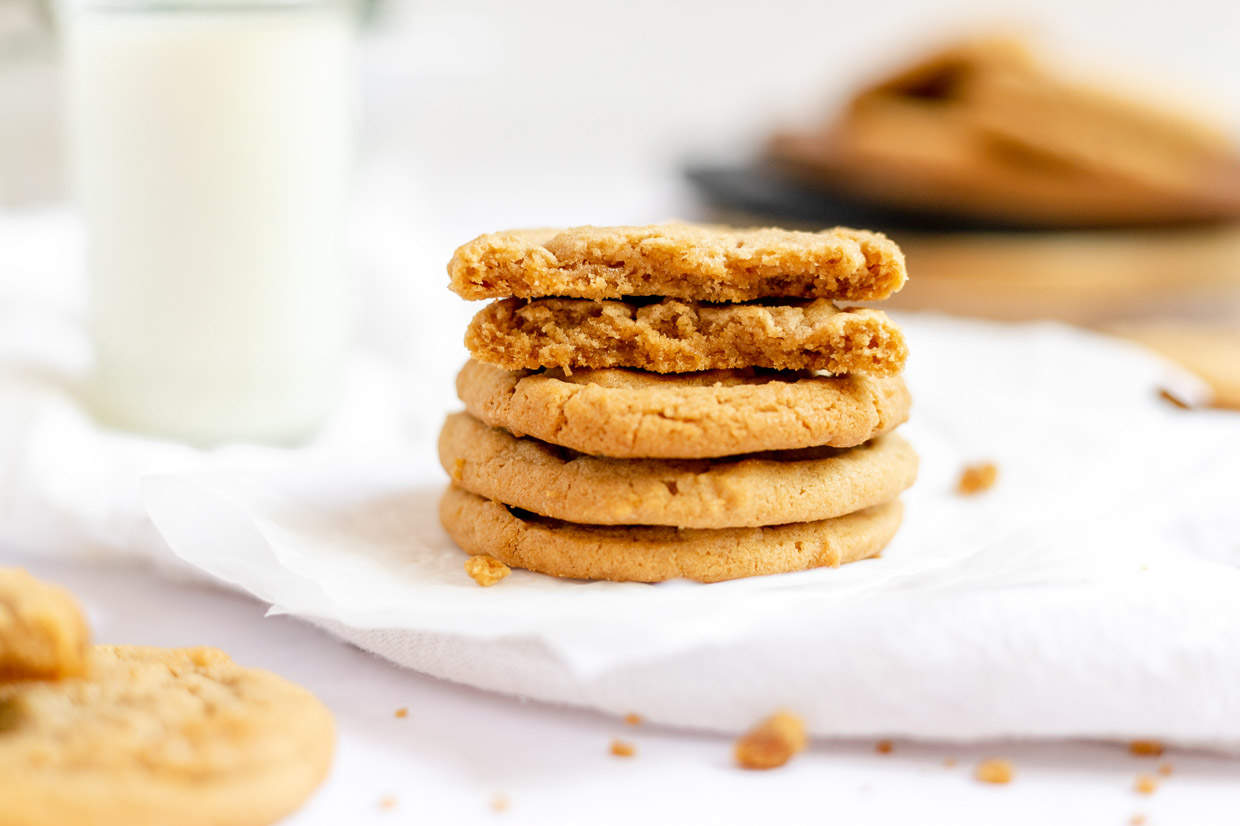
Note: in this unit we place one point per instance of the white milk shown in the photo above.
(212, 148)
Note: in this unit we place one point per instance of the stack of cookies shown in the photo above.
(677, 401)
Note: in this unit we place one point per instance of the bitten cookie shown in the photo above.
(628, 414)
(695, 262)
(673, 336)
(655, 554)
(156, 736)
(746, 491)
(43, 635)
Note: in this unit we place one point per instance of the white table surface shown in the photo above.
(459, 747)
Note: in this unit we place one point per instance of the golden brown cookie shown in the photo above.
(1184, 156)
(655, 554)
(984, 130)
(674, 336)
(944, 73)
(694, 262)
(43, 635)
(1212, 352)
(911, 155)
(156, 736)
(627, 414)
(743, 491)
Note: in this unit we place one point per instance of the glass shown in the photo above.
(211, 146)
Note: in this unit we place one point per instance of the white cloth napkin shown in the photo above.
(1091, 593)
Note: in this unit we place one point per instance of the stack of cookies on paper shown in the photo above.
(650, 403)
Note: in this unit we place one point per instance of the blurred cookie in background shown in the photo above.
(1212, 351)
(983, 129)
(1019, 193)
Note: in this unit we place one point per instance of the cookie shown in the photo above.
(1211, 351)
(984, 130)
(655, 554)
(155, 736)
(1182, 155)
(928, 157)
(694, 262)
(674, 336)
(43, 635)
(945, 73)
(627, 414)
(744, 491)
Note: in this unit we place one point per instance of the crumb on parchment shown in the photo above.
(387, 803)
(402, 713)
(1146, 748)
(1166, 769)
(771, 743)
(994, 770)
(977, 478)
(499, 802)
(1171, 398)
(949, 762)
(883, 747)
(1137, 820)
(486, 570)
(621, 748)
(633, 719)
(1146, 784)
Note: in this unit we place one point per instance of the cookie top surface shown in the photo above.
(656, 554)
(155, 731)
(674, 336)
(689, 261)
(629, 414)
(43, 635)
(745, 491)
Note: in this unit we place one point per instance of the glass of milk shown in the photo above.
(211, 152)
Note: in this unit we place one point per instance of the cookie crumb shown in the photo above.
(771, 743)
(949, 762)
(977, 478)
(1167, 396)
(620, 748)
(1137, 820)
(499, 802)
(633, 719)
(387, 803)
(458, 470)
(883, 747)
(1166, 769)
(994, 770)
(1146, 784)
(486, 570)
(1146, 748)
(402, 713)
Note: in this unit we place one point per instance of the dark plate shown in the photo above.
(760, 189)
